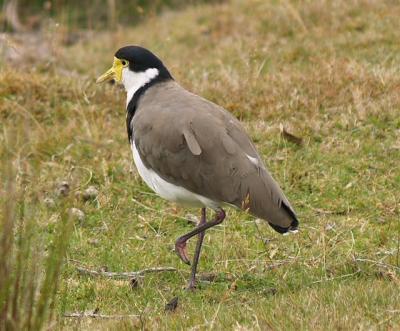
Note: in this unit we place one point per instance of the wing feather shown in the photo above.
(191, 141)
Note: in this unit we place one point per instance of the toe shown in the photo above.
(191, 286)
(181, 251)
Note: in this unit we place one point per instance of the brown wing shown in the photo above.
(196, 144)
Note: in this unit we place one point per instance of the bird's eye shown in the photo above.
(124, 63)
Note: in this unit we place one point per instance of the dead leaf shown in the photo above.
(273, 252)
(290, 137)
(172, 305)
(134, 283)
(233, 286)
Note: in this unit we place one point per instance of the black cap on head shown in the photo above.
(141, 59)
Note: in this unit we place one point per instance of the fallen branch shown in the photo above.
(96, 315)
(378, 263)
(123, 275)
(330, 212)
(335, 278)
(120, 275)
(213, 277)
(278, 264)
(326, 212)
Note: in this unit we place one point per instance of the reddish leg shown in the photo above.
(180, 245)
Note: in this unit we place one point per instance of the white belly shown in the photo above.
(167, 190)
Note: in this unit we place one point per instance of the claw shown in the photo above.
(181, 251)
(191, 286)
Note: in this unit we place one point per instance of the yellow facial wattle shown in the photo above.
(115, 72)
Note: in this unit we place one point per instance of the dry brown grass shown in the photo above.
(327, 71)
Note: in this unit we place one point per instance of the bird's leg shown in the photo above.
(180, 244)
(200, 236)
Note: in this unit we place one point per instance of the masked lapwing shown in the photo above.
(193, 152)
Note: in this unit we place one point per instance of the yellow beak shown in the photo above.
(115, 72)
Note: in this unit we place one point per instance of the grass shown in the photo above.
(327, 71)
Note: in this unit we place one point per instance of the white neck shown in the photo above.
(135, 80)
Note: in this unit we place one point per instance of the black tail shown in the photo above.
(293, 226)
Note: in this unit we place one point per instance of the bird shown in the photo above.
(191, 151)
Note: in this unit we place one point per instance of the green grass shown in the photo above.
(327, 71)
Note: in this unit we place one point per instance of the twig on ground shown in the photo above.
(326, 212)
(123, 275)
(96, 315)
(378, 263)
(144, 206)
(120, 275)
(329, 212)
(335, 278)
(213, 277)
(278, 264)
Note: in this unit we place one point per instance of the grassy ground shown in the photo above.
(328, 71)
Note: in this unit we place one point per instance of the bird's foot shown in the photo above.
(192, 285)
(181, 251)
